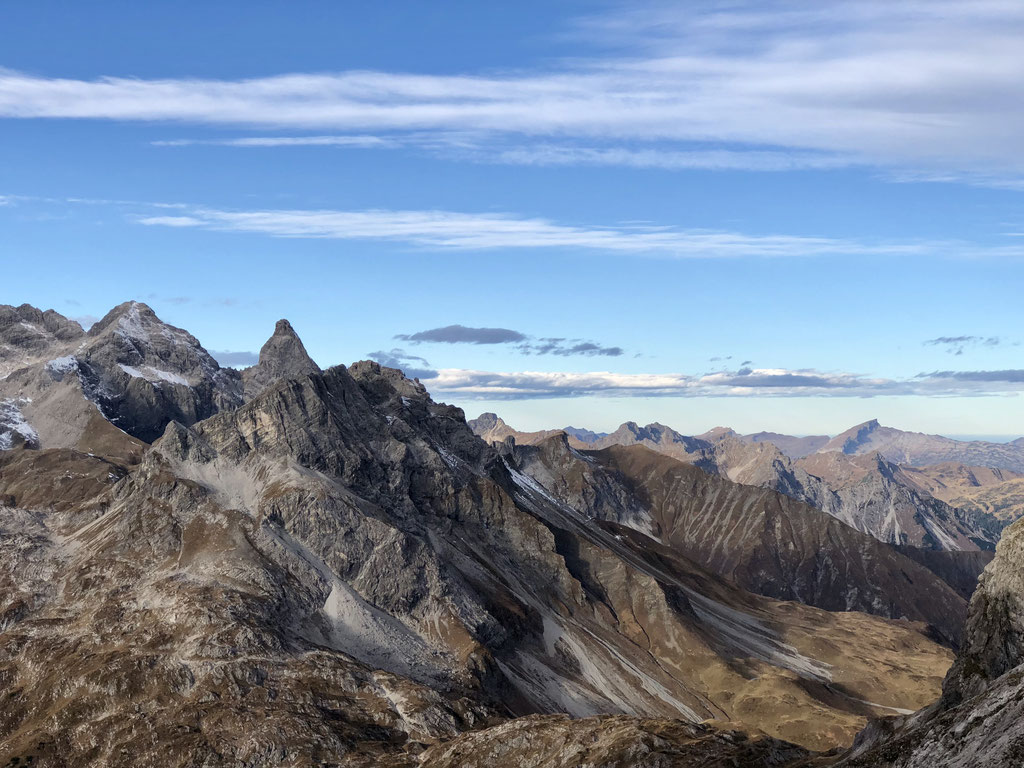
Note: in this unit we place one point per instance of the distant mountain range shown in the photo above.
(864, 490)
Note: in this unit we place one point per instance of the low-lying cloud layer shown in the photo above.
(746, 382)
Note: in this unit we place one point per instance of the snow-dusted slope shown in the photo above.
(129, 375)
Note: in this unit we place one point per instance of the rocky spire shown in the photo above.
(282, 357)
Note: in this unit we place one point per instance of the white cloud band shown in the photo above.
(743, 383)
(919, 85)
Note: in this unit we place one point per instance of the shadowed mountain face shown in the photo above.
(762, 540)
(339, 571)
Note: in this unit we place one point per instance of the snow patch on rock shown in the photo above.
(13, 423)
(154, 375)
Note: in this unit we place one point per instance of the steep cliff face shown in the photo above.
(978, 720)
(340, 572)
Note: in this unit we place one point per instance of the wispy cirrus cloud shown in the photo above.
(284, 141)
(927, 87)
(474, 231)
(495, 151)
(482, 231)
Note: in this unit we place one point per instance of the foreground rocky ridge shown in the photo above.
(977, 721)
(339, 572)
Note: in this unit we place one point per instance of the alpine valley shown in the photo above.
(289, 566)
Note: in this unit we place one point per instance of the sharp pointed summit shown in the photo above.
(283, 356)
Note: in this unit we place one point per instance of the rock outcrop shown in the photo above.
(978, 720)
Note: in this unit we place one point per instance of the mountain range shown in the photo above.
(865, 490)
(303, 567)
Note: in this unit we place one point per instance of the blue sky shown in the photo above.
(786, 216)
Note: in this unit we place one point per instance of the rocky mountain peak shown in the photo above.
(131, 370)
(717, 433)
(283, 356)
(852, 439)
(130, 317)
(28, 334)
(487, 421)
(30, 319)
